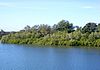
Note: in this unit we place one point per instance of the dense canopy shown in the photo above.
(64, 33)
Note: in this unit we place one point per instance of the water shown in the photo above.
(21, 57)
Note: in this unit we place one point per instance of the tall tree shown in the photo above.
(64, 25)
(27, 28)
(89, 27)
(98, 27)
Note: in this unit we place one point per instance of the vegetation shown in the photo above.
(62, 34)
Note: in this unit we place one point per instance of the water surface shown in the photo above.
(22, 57)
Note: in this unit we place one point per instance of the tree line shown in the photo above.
(63, 33)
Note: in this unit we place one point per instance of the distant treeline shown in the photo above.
(63, 33)
(2, 33)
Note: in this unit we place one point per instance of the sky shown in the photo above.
(16, 14)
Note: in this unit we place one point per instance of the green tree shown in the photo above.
(89, 27)
(98, 27)
(64, 25)
(27, 28)
(44, 29)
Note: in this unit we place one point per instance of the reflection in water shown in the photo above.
(21, 57)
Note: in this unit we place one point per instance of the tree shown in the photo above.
(35, 28)
(98, 27)
(89, 27)
(27, 28)
(91, 37)
(44, 29)
(2, 31)
(62, 33)
(54, 28)
(64, 25)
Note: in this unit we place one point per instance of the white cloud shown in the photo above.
(3, 4)
(88, 7)
(21, 6)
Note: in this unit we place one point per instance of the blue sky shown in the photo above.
(16, 14)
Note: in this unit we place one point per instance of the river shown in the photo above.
(28, 57)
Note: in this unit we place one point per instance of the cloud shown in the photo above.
(21, 6)
(87, 7)
(3, 4)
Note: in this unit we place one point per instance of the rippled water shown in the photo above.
(21, 57)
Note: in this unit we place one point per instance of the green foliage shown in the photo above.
(61, 34)
(63, 26)
(98, 27)
(89, 27)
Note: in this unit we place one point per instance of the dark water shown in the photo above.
(21, 57)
